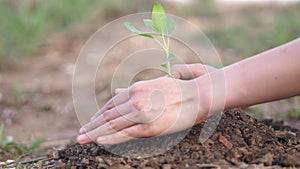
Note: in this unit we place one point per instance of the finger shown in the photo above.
(190, 71)
(133, 132)
(108, 115)
(201, 69)
(115, 138)
(110, 127)
(181, 71)
(92, 125)
(119, 90)
(176, 73)
(115, 101)
(108, 105)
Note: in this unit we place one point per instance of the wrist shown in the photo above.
(212, 93)
(204, 96)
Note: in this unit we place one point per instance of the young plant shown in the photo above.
(11, 149)
(163, 25)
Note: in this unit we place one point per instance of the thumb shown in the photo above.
(176, 71)
(176, 74)
(182, 71)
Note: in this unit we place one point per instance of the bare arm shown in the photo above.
(271, 75)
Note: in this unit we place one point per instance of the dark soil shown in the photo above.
(239, 141)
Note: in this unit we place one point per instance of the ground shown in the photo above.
(238, 142)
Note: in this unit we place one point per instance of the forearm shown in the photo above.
(271, 75)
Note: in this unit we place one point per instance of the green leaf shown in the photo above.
(130, 27)
(170, 57)
(149, 24)
(170, 25)
(146, 35)
(158, 18)
(36, 144)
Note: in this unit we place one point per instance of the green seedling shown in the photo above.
(9, 148)
(5, 141)
(163, 25)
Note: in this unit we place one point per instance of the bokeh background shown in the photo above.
(40, 41)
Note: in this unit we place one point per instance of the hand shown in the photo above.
(147, 108)
(190, 71)
(185, 72)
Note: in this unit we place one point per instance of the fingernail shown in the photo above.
(82, 130)
(111, 105)
(82, 138)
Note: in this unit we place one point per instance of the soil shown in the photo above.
(239, 141)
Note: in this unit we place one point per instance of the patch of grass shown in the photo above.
(254, 35)
(285, 28)
(9, 149)
(25, 23)
(254, 112)
(294, 113)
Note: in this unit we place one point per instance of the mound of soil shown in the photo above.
(239, 140)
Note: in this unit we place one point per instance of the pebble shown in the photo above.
(99, 159)
(225, 142)
(85, 161)
(10, 161)
(166, 166)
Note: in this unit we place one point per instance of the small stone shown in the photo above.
(99, 159)
(9, 161)
(85, 161)
(225, 142)
(166, 166)
(53, 154)
(109, 162)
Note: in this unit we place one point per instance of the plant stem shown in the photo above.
(168, 65)
(160, 44)
(162, 36)
(166, 48)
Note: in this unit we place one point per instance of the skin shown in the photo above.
(163, 105)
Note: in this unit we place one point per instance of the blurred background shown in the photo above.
(40, 41)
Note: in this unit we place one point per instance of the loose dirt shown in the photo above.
(239, 141)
